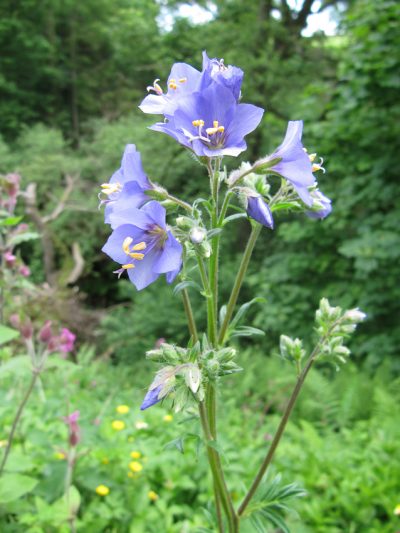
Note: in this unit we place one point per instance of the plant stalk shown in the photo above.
(189, 315)
(218, 476)
(35, 375)
(255, 231)
(278, 434)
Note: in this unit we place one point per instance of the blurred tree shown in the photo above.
(352, 257)
(62, 62)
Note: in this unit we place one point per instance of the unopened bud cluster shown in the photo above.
(333, 326)
(291, 349)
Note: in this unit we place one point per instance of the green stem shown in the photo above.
(279, 432)
(238, 281)
(189, 315)
(18, 415)
(218, 510)
(214, 259)
(218, 476)
(211, 319)
(179, 202)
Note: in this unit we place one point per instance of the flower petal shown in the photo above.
(260, 211)
(171, 257)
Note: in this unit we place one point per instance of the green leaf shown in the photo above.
(17, 366)
(243, 310)
(7, 334)
(176, 443)
(184, 285)
(246, 331)
(14, 486)
(24, 237)
(11, 221)
(233, 217)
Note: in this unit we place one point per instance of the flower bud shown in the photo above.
(45, 333)
(9, 258)
(184, 223)
(15, 321)
(26, 329)
(24, 270)
(205, 249)
(355, 315)
(197, 235)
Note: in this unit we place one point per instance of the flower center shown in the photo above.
(132, 251)
(159, 235)
(214, 137)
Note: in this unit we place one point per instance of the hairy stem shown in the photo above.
(211, 319)
(281, 428)
(179, 202)
(189, 315)
(20, 410)
(216, 469)
(238, 281)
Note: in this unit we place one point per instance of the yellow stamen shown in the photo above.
(128, 266)
(125, 245)
(182, 80)
(128, 250)
(215, 129)
(172, 84)
(312, 157)
(109, 188)
(157, 87)
(198, 123)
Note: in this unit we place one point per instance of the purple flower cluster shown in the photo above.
(141, 241)
(202, 110)
(291, 161)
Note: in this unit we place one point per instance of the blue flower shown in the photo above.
(259, 210)
(127, 186)
(183, 80)
(293, 162)
(211, 122)
(215, 70)
(151, 398)
(143, 246)
(322, 205)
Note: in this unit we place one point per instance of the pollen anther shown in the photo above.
(172, 84)
(198, 123)
(110, 188)
(132, 251)
(182, 80)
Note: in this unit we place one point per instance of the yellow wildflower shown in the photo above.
(118, 425)
(397, 510)
(135, 466)
(105, 460)
(122, 409)
(153, 496)
(60, 455)
(102, 490)
(136, 455)
(168, 418)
